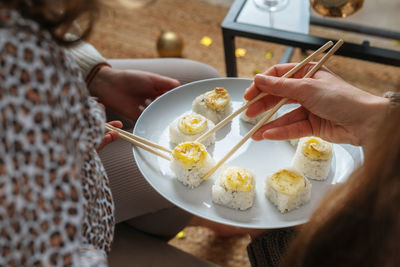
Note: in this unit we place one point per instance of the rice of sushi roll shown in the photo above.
(287, 189)
(234, 188)
(190, 127)
(254, 120)
(190, 162)
(294, 142)
(313, 158)
(214, 105)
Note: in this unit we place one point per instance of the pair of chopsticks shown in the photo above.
(286, 75)
(140, 142)
(150, 146)
(272, 111)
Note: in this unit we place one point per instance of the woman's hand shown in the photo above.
(330, 108)
(125, 91)
(110, 136)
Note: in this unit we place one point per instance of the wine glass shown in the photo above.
(271, 6)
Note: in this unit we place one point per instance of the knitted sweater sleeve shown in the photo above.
(87, 58)
(268, 249)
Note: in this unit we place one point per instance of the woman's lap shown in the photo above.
(135, 200)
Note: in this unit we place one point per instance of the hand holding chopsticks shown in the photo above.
(272, 111)
(140, 142)
(244, 107)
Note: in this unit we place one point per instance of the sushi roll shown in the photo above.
(234, 188)
(254, 120)
(287, 189)
(313, 158)
(190, 162)
(190, 127)
(214, 105)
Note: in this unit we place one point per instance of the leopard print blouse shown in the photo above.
(56, 206)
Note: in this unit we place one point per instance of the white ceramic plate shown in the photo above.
(262, 158)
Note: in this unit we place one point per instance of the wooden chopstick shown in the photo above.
(324, 59)
(244, 107)
(140, 139)
(124, 136)
(270, 113)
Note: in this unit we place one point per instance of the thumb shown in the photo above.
(295, 89)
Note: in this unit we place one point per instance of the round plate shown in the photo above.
(262, 158)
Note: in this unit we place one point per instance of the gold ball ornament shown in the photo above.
(169, 44)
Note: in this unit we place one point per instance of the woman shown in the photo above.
(44, 98)
(358, 222)
(55, 203)
(125, 87)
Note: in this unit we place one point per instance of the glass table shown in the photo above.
(370, 34)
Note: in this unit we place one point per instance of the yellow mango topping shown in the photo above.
(317, 149)
(217, 99)
(192, 124)
(288, 182)
(238, 179)
(190, 154)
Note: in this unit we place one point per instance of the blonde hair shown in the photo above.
(358, 223)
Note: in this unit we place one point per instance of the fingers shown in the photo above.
(291, 131)
(117, 124)
(265, 104)
(272, 76)
(292, 125)
(276, 71)
(164, 84)
(109, 137)
(262, 105)
(251, 92)
(295, 89)
(276, 86)
(295, 115)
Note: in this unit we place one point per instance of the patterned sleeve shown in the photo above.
(89, 60)
(41, 109)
